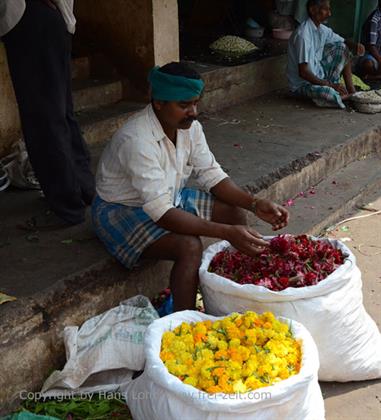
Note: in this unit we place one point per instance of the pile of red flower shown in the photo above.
(289, 261)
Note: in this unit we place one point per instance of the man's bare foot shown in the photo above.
(346, 96)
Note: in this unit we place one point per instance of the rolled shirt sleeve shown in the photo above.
(207, 171)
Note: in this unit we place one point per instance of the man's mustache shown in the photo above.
(189, 120)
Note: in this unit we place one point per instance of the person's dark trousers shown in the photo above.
(39, 58)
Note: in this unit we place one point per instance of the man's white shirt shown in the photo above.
(11, 12)
(141, 167)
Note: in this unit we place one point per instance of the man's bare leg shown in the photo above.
(186, 252)
(369, 72)
(347, 75)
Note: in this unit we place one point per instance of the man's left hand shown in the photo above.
(272, 213)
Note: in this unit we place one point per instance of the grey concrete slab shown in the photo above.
(319, 206)
(274, 135)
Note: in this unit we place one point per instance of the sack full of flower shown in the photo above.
(316, 282)
(239, 367)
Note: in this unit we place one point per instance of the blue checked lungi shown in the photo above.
(335, 57)
(127, 231)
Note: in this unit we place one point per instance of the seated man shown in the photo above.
(317, 57)
(144, 209)
(369, 66)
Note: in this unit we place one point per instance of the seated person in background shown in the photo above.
(317, 57)
(369, 66)
(143, 208)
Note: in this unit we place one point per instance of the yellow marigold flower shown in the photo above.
(216, 325)
(205, 372)
(212, 341)
(191, 380)
(208, 324)
(168, 337)
(249, 368)
(234, 343)
(233, 332)
(222, 345)
(239, 387)
(251, 336)
(253, 383)
(223, 382)
(199, 338)
(218, 371)
(214, 389)
(207, 354)
(199, 328)
(244, 352)
(238, 322)
(236, 354)
(221, 355)
(166, 355)
(185, 328)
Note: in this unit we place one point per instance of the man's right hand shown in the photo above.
(246, 240)
(341, 89)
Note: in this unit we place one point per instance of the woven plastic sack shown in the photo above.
(158, 395)
(348, 340)
(104, 352)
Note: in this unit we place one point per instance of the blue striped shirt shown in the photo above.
(372, 29)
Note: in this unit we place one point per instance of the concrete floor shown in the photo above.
(360, 400)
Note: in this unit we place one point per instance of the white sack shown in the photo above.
(104, 352)
(348, 340)
(158, 395)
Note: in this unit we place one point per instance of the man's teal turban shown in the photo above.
(168, 87)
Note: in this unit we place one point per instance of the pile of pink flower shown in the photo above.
(289, 261)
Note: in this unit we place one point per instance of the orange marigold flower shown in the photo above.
(218, 371)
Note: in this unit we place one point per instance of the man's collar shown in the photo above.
(157, 130)
(312, 23)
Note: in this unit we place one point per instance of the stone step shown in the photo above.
(229, 85)
(99, 124)
(89, 94)
(317, 207)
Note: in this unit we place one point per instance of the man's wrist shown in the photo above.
(253, 205)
